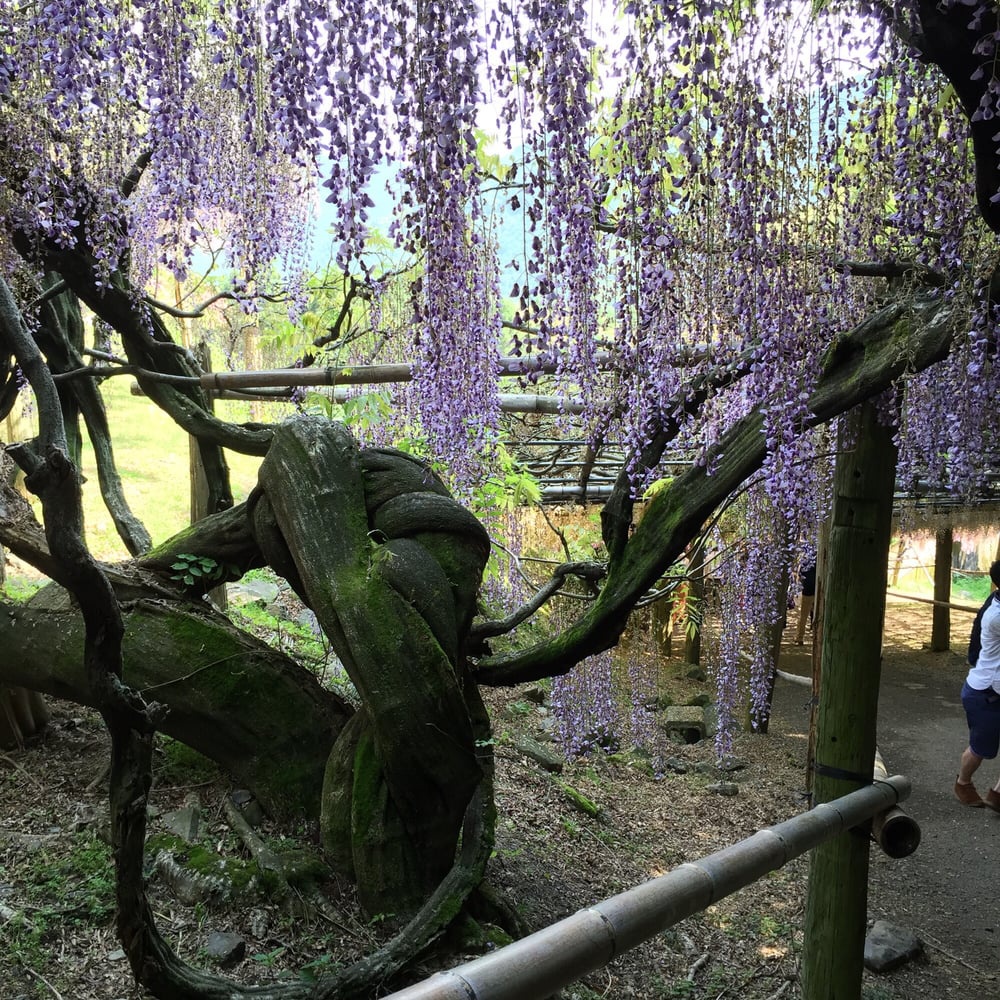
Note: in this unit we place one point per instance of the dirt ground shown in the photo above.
(57, 940)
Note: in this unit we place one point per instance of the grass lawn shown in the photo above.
(966, 588)
(152, 456)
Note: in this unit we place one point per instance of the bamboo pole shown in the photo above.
(538, 965)
(510, 402)
(967, 608)
(941, 620)
(507, 367)
(897, 833)
(854, 599)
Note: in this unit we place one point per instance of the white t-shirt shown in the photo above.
(986, 673)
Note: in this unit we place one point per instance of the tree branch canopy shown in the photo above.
(862, 364)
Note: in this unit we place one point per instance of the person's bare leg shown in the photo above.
(969, 765)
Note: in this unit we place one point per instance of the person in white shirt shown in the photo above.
(981, 700)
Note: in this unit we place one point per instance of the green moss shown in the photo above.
(584, 804)
(470, 935)
(241, 875)
(367, 790)
(20, 590)
(180, 765)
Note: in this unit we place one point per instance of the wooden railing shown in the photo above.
(538, 965)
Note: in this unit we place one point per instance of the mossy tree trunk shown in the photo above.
(391, 565)
(254, 711)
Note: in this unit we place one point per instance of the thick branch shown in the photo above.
(946, 40)
(229, 696)
(60, 336)
(149, 345)
(859, 366)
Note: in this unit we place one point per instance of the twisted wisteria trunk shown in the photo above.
(390, 564)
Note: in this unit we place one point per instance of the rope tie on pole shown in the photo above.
(839, 774)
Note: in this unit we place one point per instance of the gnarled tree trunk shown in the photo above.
(390, 564)
(251, 709)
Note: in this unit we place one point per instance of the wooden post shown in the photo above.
(898, 564)
(252, 361)
(816, 647)
(662, 625)
(941, 621)
(854, 609)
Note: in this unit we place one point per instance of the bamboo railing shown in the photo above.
(538, 965)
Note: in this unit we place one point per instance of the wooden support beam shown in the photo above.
(941, 621)
(854, 599)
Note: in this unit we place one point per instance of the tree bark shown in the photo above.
(255, 712)
(941, 613)
(861, 521)
(60, 336)
(392, 574)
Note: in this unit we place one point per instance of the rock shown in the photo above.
(889, 946)
(259, 922)
(535, 693)
(248, 591)
(116, 956)
(249, 807)
(727, 788)
(307, 618)
(85, 815)
(704, 767)
(538, 753)
(225, 947)
(686, 722)
(676, 765)
(696, 673)
(546, 728)
(701, 700)
(730, 764)
(28, 842)
(185, 823)
(711, 721)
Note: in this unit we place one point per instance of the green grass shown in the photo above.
(974, 589)
(152, 455)
(965, 588)
(73, 888)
